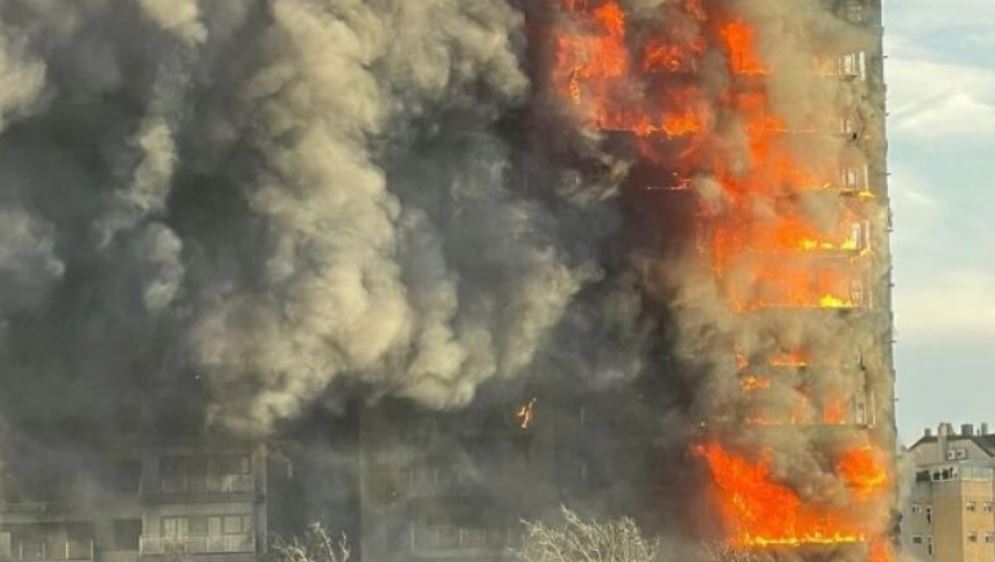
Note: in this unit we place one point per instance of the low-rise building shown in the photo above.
(950, 513)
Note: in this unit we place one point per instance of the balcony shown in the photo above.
(446, 541)
(47, 551)
(223, 488)
(214, 544)
(228, 484)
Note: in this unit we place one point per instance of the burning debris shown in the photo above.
(525, 414)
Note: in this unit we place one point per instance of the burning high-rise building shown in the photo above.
(768, 117)
(626, 255)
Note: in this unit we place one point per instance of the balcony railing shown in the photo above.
(46, 551)
(227, 484)
(196, 545)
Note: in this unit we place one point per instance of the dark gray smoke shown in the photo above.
(276, 202)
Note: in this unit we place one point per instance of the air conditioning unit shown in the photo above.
(961, 453)
(951, 455)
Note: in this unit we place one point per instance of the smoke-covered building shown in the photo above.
(457, 486)
(145, 498)
(473, 259)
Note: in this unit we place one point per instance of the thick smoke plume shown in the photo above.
(256, 207)
(280, 202)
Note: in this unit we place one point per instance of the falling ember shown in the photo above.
(525, 415)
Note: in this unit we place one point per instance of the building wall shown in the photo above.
(952, 502)
(117, 511)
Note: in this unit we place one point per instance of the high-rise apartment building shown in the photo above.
(454, 486)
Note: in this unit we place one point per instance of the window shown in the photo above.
(929, 514)
(854, 11)
(125, 477)
(917, 539)
(206, 525)
(970, 506)
(451, 537)
(197, 477)
(30, 546)
(850, 127)
(447, 537)
(198, 474)
(972, 536)
(852, 65)
(854, 178)
(232, 464)
(236, 524)
(916, 508)
(989, 538)
(172, 474)
(860, 412)
(474, 538)
(197, 526)
(988, 507)
(174, 527)
(127, 533)
(929, 545)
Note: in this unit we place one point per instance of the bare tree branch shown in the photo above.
(580, 540)
(315, 546)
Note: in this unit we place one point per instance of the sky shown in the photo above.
(940, 71)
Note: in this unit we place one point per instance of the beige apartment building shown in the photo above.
(949, 515)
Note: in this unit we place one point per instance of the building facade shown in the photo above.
(949, 515)
(209, 499)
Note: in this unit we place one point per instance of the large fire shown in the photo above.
(766, 251)
(759, 511)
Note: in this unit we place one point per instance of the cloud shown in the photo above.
(933, 100)
(949, 305)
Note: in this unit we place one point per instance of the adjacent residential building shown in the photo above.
(950, 513)
(207, 499)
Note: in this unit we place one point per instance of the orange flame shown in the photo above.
(593, 65)
(834, 412)
(880, 551)
(525, 415)
(863, 470)
(792, 358)
(763, 247)
(741, 46)
(751, 382)
(758, 511)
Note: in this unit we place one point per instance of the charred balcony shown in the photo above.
(185, 477)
